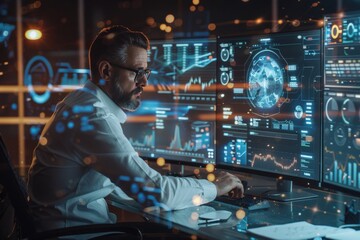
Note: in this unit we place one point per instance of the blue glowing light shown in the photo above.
(14, 106)
(141, 197)
(82, 109)
(34, 131)
(124, 178)
(60, 127)
(65, 114)
(134, 188)
(71, 125)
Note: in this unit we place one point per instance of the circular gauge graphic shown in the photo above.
(266, 79)
(224, 78)
(38, 72)
(331, 109)
(340, 136)
(335, 31)
(350, 30)
(356, 139)
(224, 54)
(348, 111)
(299, 112)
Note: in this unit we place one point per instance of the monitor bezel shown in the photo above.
(328, 185)
(298, 180)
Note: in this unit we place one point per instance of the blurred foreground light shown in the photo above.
(168, 29)
(212, 26)
(210, 167)
(259, 21)
(33, 34)
(211, 177)
(160, 161)
(196, 2)
(162, 27)
(150, 21)
(169, 18)
(178, 22)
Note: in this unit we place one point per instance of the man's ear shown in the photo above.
(105, 70)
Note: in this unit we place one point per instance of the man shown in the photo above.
(83, 155)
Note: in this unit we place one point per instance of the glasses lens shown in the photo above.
(147, 73)
(141, 73)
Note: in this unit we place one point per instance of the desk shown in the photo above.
(326, 209)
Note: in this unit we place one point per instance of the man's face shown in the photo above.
(125, 90)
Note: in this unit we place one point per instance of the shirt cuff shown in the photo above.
(210, 191)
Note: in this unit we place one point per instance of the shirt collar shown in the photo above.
(106, 100)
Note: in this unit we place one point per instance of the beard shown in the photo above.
(126, 101)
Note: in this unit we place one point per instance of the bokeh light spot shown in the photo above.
(160, 161)
(211, 177)
(43, 141)
(210, 167)
(240, 214)
(197, 200)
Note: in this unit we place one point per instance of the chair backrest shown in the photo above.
(17, 192)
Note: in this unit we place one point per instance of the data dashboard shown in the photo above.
(268, 103)
(341, 151)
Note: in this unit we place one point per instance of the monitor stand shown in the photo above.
(176, 170)
(284, 192)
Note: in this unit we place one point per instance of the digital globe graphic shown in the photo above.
(266, 79)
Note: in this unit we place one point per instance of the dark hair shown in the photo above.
(111, 44)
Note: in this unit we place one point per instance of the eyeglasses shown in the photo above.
(140, 73)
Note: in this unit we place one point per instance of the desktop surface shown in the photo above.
(327, 209)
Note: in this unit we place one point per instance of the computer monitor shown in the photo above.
(176, 120)
(268, 107)
(341, 150)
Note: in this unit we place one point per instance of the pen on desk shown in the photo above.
(209, 221)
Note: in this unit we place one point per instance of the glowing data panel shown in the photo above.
(176, 120)
(342, 50)
(48, 80)
(341, 151)
(268, 96)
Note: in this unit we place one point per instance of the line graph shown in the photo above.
(196, 84)
(144, 137)
(198, 138)
(276, 163)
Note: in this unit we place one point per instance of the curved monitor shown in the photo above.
(341, 151)
(176, 120)
(268, 104)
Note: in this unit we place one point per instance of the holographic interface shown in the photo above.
(176, 119)
(268, 99)
(47, 85)
(341, 151)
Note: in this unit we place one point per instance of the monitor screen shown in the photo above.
(176, 119)
(268, 107)
(341, 150)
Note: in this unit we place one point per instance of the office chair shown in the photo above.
(17, 193)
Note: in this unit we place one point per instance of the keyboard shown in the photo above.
(249, 202)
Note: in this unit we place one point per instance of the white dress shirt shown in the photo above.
(65, 190)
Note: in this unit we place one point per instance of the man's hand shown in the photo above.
(228, 183)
